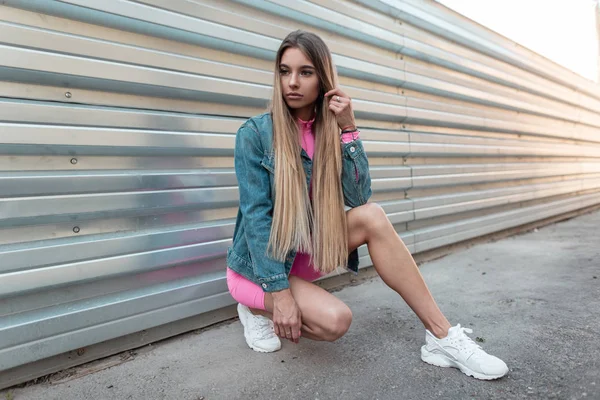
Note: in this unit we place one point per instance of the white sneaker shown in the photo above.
(460, 351)
(258, 331)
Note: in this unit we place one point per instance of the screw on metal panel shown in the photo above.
(76, 229)
(68, 95)
(73, 161)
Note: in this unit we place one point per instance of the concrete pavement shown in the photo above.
(534, 299)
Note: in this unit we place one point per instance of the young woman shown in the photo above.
(297, 166)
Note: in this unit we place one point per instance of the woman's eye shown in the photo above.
(307, 73)
(283, 72)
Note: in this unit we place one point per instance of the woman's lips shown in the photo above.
(294, 96)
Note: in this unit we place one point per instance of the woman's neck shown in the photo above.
(305, 114)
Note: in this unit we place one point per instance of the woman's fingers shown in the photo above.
(337, 105)
(281, 329)
(341, 106)
(342, 103)
(295, 333)
(335, 108)
(297, 327)
(332, 91)
(336, 91)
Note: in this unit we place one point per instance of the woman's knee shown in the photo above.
(373, 217)
(338, 323)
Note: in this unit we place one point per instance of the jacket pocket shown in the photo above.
(268, 162)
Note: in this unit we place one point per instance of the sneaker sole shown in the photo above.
(249, 343)
(260, 350)
(442, 361)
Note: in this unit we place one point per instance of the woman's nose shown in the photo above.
(294, 81)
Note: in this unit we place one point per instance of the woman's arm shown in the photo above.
(356, 179)
(257, 207)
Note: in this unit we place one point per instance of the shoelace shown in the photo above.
(466, 342)
(264, 327)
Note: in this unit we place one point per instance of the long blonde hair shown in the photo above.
(320, 229)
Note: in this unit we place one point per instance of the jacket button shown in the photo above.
(352, 149)
(264, 285)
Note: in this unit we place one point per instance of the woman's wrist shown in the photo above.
(347, 137)
(282, 294)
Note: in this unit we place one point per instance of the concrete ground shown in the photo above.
(534, 299)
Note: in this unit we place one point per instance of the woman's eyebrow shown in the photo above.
(303, 66)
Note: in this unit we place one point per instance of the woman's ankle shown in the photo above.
(439, 331)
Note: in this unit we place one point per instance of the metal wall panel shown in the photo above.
(117, 126)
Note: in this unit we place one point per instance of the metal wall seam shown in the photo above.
(265, 77)
(427, 239)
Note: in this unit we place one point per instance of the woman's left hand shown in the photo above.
(341, 106)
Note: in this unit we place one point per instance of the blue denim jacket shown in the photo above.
(255, 171)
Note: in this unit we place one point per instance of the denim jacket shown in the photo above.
(255, 171)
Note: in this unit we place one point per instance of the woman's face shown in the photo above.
(299, 83)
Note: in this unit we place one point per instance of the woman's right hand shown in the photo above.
(286, 316)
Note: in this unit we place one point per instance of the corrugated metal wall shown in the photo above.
(117, 123)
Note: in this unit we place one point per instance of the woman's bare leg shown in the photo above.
(324, 316)
(394, 263)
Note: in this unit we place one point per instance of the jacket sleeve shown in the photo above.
(356, 179)
(257, 208)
